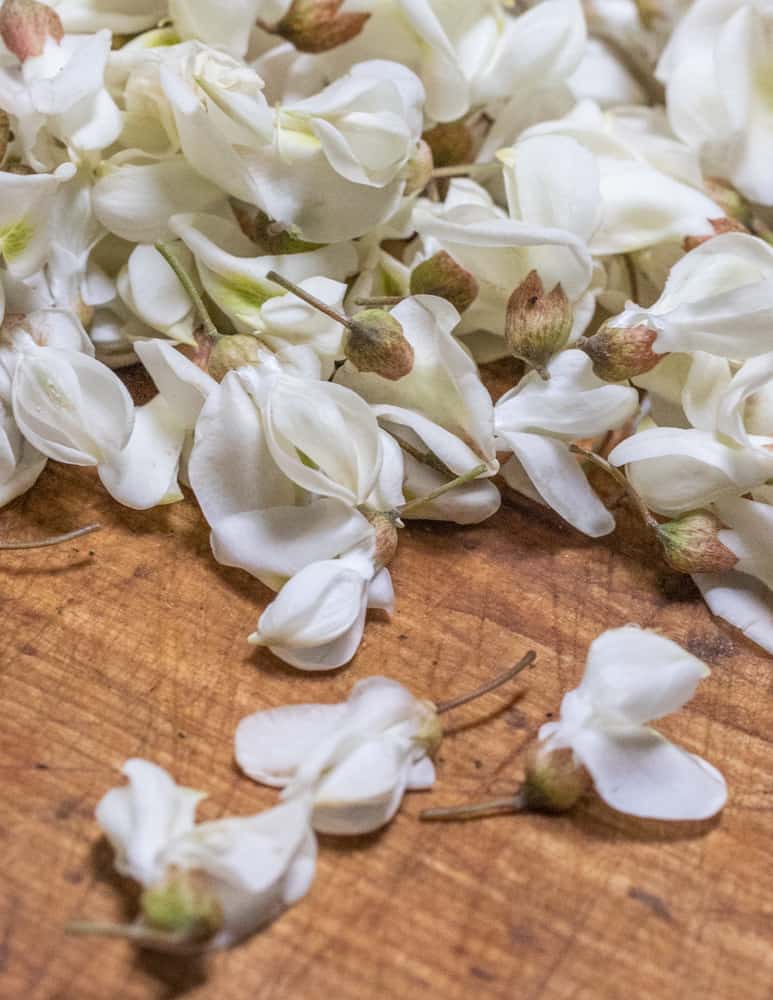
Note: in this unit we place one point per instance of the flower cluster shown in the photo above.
(313, 222)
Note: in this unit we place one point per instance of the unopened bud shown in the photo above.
(731, 201)
(691, 544)
(430, 734)
(619, 353)
(554, 781)
(720, 226)
(419, 170)
(375, 342)
(5, 134)
(183, 904)
(451, 143)
(26, 26)
(537, 325)
(441, 275)
(386, 538)
(273, 238)
(317, 26)
(232, 352)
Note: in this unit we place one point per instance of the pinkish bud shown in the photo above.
(26, 26)
(537, 325)
(375, 342)
(441, 275)
(317, 26)
(619, 353)
(720, 226)
(691, 544)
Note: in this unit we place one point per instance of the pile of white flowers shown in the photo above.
(311, 221)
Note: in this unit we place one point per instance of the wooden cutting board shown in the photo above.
(131, 642)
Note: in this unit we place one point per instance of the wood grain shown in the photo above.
(131, 642)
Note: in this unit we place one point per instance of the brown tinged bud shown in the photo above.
(183, 904)
(451, 143)
(317, 26)
(537, 325)
(26, 25)
(619, 353)
(720, 226)
(273, 238)
(691, 544)
(385, 526)
(232, 352)
(554, 781)
(441, 275)
(375, 342)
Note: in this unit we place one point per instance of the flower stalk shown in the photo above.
(193, 293)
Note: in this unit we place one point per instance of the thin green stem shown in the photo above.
(509, 804)
(309, 299)
(492, 685)
(193, 293)
(441, 490)
(379, 301)
(463, 170)
(622, 480)
(51, 540)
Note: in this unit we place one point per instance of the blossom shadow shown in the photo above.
(597, 820)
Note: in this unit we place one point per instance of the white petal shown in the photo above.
(742, 601)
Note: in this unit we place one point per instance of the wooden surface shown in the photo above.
(131, 642)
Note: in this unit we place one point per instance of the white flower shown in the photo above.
(717, 69)
(355, 759)
(633, 676)
(718, 299)
(537, 421)
(25, 207)
(223, 26)
(91, 15)
(244, 870)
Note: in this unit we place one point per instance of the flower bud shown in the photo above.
(554, 781)
(231, 352)
(273, 238)
(451, 143)
(430, 734)
(691, 544)
(5, 133)
(375, 342)
(441, 275)
(183, 904)
(419, 170)
(720, 226)
(537, 325)
(26, 26)
(731, 201)
(316, 25)
(619, 353)
(385, 527)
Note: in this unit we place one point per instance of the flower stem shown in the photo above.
(509, 804)
(620, 478)
(441, 490)
(309, 299)
(380, 301)
(463, 170)
(51, 540)
(193, 293)
(492, 685)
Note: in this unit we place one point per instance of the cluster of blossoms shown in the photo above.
(344, 769)
(311, 221)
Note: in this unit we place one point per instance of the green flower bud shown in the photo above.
(183, 904)
(273, 238)
(441, 275)
(537, 325)
(232, 352)
(619, 353)
(375, 342)
(317, 25)
(691, 544)
(554, 781)
(26, 25)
